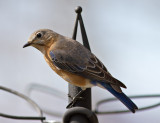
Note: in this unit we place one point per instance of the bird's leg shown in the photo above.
(74, 99)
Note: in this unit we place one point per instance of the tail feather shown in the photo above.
(121, 96)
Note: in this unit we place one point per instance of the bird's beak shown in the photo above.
(27, 44)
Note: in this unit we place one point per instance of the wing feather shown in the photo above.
(77, 59)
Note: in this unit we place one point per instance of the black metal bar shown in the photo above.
(21, 117)
(73, 90)
(79, 115)
(84, 35)
(75, 28)
(81, 111)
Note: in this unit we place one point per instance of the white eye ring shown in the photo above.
(39, 35)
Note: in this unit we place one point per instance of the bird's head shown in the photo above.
(41, 39)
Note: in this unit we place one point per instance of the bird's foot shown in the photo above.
(74, 99)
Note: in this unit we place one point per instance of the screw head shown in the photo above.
(78, 9)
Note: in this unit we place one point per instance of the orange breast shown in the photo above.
(69, 77)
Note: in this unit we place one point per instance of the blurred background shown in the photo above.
(123, 34)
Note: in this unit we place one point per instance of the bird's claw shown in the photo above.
(74, 100)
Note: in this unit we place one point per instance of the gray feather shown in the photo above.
(72, 56)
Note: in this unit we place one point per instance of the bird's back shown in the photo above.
(69, 55)
(72, 51)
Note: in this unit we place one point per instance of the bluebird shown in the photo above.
(76, 64)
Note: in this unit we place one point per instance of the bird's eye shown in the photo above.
(39, 35)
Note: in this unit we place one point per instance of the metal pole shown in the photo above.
(81, 110)
(73, 90)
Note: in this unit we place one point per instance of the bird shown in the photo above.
(76, 64)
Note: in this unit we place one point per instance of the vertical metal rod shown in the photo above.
(84, 35)
(83, 112)
(75, 28)
(73, 90)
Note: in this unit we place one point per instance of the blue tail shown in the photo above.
(121, 96)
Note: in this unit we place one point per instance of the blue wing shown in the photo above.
(84, 63)
(75, 58)
(64, 65)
